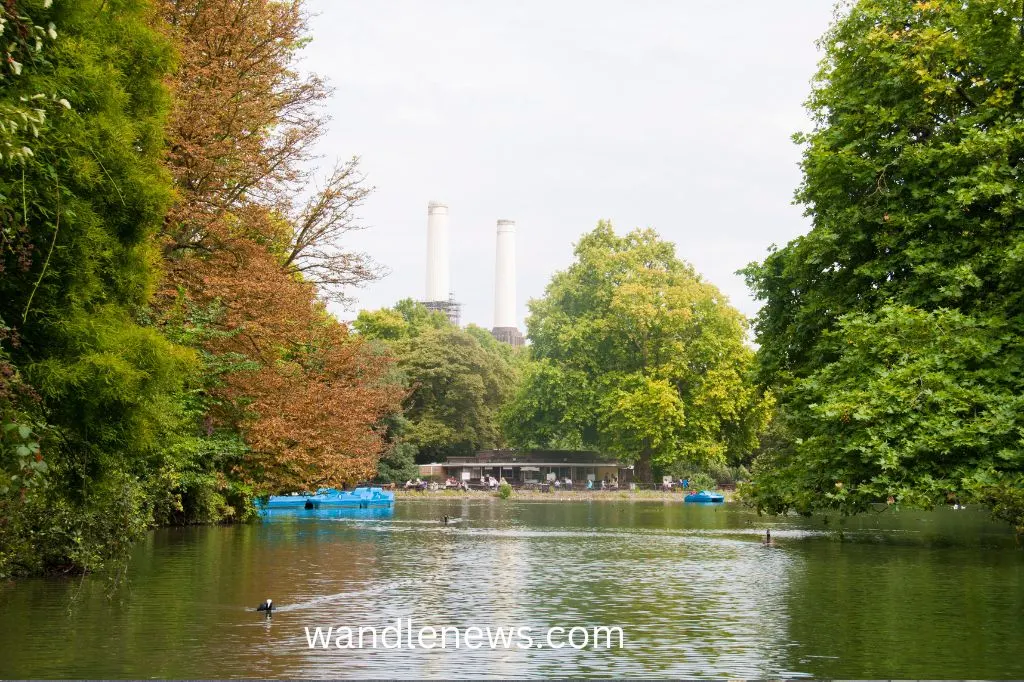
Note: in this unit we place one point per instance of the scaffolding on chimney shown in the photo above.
(451, 309)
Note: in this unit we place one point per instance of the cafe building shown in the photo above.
(525, 467)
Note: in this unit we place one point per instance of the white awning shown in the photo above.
(530, 469)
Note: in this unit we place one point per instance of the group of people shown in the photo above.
(452, 483)
(605, 483)
(486, 481)
(418, 484)
(668, 483)
(491, 482)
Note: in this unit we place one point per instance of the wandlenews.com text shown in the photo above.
(404, 635)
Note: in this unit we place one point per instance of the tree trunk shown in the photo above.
(643, 472)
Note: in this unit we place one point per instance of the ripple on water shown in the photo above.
(693, 589)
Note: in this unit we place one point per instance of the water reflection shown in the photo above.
(328, 513)
(692, 587)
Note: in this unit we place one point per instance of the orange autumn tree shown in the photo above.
(248, 270)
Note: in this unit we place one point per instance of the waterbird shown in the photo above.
(768, 542)
(267, 606)
(444, 519)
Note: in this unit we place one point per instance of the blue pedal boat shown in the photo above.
(704, 496)
(330, 498)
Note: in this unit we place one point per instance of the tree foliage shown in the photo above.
(242, 264)
(915, 407)
(240, 135)
(165, 349)
(637, 355)
(457, 380)
(96, 388)
(912, 177)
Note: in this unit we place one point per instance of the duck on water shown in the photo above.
(267, 606)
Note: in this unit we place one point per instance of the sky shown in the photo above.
(675, 115)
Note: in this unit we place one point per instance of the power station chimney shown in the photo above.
(438, 284)
(505, 328)
(439, 294)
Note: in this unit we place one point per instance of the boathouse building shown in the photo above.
(524, 467)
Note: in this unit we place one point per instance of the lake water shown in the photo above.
(907, 595)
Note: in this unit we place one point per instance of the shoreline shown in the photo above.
(557, 496)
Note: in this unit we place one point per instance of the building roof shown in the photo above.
(534, 457)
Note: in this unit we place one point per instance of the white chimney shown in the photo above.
(505, 276)
(438, 286)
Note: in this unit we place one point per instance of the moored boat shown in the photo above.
(327, 498)
(704, 496)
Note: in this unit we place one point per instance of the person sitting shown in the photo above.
(558, 484)
(409, 484)
(568, 482)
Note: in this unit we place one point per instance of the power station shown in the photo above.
(439, 295)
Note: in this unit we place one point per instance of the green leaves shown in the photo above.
(891, 332)
(635, 354)
(99, 390)
(22, 466)
(458, 379)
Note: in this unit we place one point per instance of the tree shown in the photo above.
(398, 463)
(456, 389)
(247, 272)
(914, 409)
(316, 250)
(912, 180)
(240, 133)
(457, 380)
(80, 206)
(637, 355)
(406, 320)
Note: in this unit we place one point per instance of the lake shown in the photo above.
(905, 595)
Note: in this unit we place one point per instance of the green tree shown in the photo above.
(78, 214)
(912, 177)
(637, 355)
(457, 386)
(407, 319)
(914, 408)
(458, 379)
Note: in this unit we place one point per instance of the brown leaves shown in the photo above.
(243, 118)
(310, 401)
(311, 410)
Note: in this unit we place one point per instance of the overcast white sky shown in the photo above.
(675, 115)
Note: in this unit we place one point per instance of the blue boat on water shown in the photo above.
(330, 498)
(704, 496)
